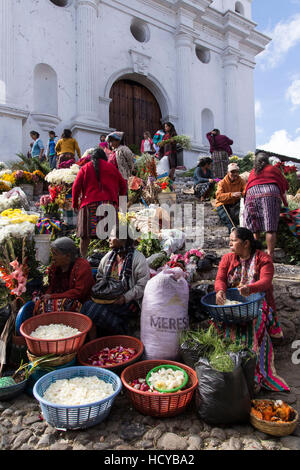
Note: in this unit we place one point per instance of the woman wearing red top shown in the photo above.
(220, 151)
(265, 190)
(70, 279)
(251, 271)
(170, 149)
(98, 183)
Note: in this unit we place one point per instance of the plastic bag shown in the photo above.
(172, 240)
(164, 314)
(196, 310)
(163, 166)
(223, 397)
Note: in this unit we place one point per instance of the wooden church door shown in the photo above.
(133, 110)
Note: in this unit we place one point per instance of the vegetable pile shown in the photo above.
(112, 356)
(78, 391)
(54, 331)
(210, 345)
(275, 412)
(166, 379)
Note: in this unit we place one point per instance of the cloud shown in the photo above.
(285, 36)
(258, 109)
(293, 93)
(282, 143)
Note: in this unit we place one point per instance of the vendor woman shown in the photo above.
(70, 279)
(251, 271)
(126, 264)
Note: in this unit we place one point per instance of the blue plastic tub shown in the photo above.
(247, 311)
(82, 416)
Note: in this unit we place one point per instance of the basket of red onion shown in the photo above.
(111, 352)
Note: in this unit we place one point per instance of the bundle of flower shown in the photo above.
(37, 176)
(276, 412)
(64, 176)
(4, 186)
(165, 184)
(184, 141)
(112, 356)
(67, 164)
(14, 273)
(176, 261)
(83, 161)
(15, 223)
(17, 216)
(7, 177)
(144, 166)
(12, 200)
(286, 169)
(23, 177)
(193, 256)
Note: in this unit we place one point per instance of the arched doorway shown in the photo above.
(133, 110)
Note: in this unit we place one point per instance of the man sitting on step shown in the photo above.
(228, 197)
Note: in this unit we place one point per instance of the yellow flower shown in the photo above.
(39, 173)
(8, 177)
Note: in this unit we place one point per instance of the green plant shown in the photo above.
(30, 164)
(135, 149)
(294, 183)
(210, 345)
(246, 163)
(289, 243)
(149, 245)
(189, 173)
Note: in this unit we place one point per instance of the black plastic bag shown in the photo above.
(95, 259)
(197, 311)
(223, 397)
(190, 355)
(207, 263)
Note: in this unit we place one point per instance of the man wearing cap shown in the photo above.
(229, 193)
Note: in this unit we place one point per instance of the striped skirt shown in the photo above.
(220, 164)
(262, 208)
(88, 220)
(257, 336)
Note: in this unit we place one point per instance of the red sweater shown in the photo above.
(264, 269)
(269, 175)
(80, 282)
(219, 143)
(113, 185)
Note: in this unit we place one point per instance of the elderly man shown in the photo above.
(228, 196)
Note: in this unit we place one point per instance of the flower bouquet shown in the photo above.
(67, 164)
(23, 177)
(183, 141)
(65, 176)
(176, 261)
(38, 180)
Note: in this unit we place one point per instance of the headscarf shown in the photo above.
(115, 135)
(66, 246)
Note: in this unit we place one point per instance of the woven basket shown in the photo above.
(55, 361)
(42, 347)
(97, 345)
(274, 429)
(162, 405)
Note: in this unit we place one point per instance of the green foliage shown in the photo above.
(246, 163)
(210, 345)
(30, 164)
(149, 245)
(135, 149)
(95, 245)
(289, 243)
(294, 183)
(189, 173)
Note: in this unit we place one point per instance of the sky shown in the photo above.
(277, 77)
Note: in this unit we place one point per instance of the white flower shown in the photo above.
(5, 172)
(63, 176)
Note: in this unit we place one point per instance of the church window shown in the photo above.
(45, 90)
(60, 3)
(239, 8)
(207, 121)
(203, 54)
(140, 31)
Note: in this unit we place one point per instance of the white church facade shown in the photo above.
(96, 65)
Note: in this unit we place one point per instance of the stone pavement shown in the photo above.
(21, 427)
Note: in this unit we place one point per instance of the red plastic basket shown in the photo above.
(41, 347)
(158, 405)
(110, 342)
